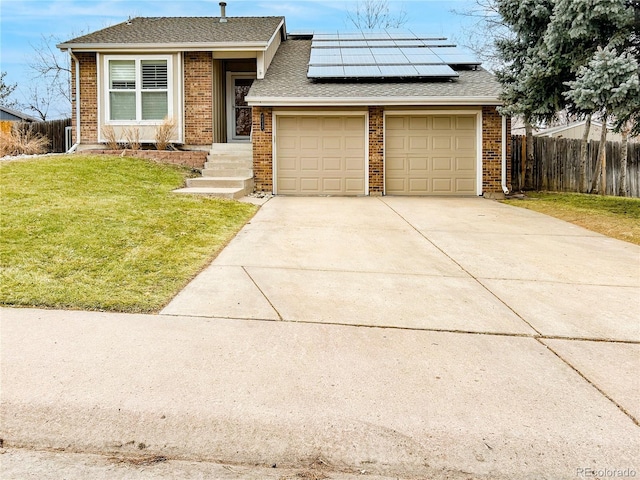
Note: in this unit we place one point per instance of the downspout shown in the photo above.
(504, 156)
(77, 62)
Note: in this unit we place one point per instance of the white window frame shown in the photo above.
(138, 90)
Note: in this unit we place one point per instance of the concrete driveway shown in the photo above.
(447, 264)
(428, 338)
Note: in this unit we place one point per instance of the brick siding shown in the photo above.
(88, 98)
(262, 149)
(198, 98)
(492, 151)
(376, 150)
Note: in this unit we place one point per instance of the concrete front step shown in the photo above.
(223, 182)
(228, 172)
(219, 192)
(236, 159)
(231, 147)
(225, 164)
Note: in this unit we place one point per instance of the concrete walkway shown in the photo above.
(401, 337)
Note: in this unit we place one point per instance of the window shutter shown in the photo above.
(154, 74)
(122, 74)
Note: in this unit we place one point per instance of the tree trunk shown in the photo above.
(624, 154)
(529, 180)
(583, 154)
(599, 184)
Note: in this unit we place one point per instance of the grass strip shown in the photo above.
(616, 217)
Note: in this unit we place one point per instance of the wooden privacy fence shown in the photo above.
(54, 130)
(556, 165)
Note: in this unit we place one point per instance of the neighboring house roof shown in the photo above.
(180, 31)
(552, 131)
(286, 83)
(11, 114)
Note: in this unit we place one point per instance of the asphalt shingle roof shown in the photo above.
(287, 78)
(183, 30)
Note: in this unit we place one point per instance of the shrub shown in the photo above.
(110, 136)
(132, 135)
(164, 132)
(22, 141)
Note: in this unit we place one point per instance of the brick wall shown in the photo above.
(262, 149)
(88, 98)
(198, 98)
(492, 150)
(194, 159)
(376, 150)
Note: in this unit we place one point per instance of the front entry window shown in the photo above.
(242, 111)
(138, 89)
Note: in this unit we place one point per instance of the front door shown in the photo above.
(238, 112)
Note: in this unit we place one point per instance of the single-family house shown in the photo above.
(320, 114)
(12, 115)
(575, 130)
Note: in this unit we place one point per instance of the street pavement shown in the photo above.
(386, 337)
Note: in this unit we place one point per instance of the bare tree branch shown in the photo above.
(371, 14)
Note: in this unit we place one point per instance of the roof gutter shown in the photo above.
(368, 101)
(168, 47)
(77, 99)
(504, 156)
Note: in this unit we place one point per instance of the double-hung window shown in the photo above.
(139, 88)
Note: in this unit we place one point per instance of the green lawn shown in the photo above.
(104, 233)
(616, 217)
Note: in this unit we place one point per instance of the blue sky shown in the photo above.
(23, 23)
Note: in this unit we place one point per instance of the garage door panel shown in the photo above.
(418, 184)
(332, 185)
(430, 154)
(417, 123)
(418, 165)
(465, 143)
(353, 165)
(332, 142)
(442, 185)
(442, 123)
(288, 143)
(307, 163)
(466, 123)
(332, 124)
(397, 184)
(441, 143)
(466, 164)
(304, 124)
(288, 123)
(287, 163)
(353, 124)
(320, 154)
(418, 143)
(309, 143)
(331, 164)
(466, 185)
(442, 164)
(392, 144)
(354, 185)
(354, 143)
(398, 164)
(287, 183)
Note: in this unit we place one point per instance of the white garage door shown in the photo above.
(320, 154)
(430, 154)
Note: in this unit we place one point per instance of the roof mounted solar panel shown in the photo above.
(382, 55)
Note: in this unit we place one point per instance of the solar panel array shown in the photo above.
(384, 55)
